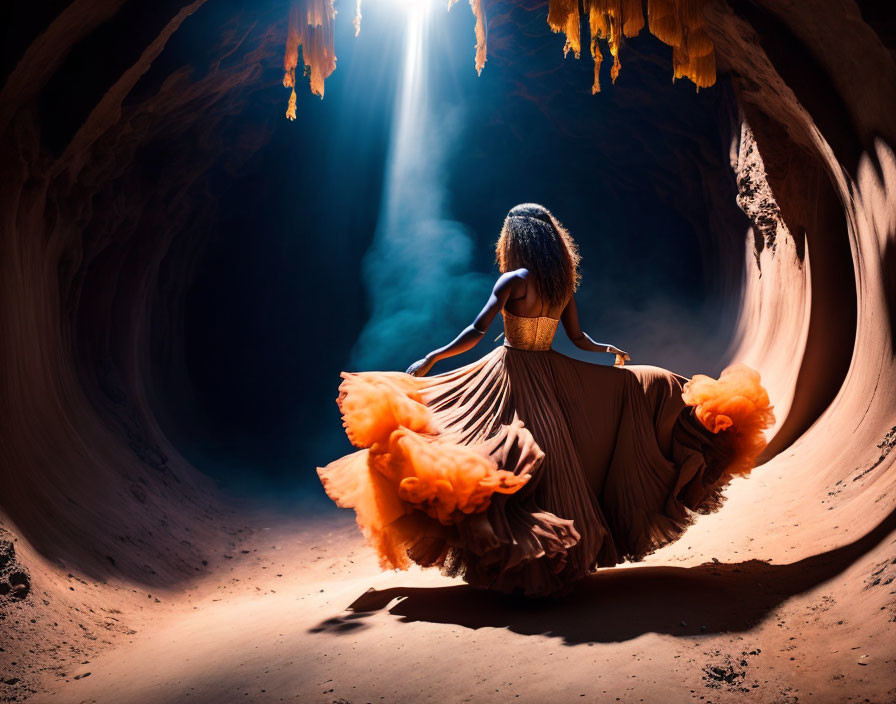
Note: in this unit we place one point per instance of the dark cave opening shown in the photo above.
(258, 295)
(276, 298)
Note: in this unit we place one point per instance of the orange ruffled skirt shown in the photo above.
(524, 471)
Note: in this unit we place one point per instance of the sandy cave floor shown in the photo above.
(298, 610)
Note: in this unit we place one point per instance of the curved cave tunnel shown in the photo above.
(183, 270)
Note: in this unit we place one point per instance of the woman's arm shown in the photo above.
(472, 334)
(581, 339)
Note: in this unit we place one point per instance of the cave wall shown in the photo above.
(88, 478)
(816, 86)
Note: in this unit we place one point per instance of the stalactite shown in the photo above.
(611, 20)
(678, 23)
(665, 23)
(596, 28)
(311, 28)
(563, 16)
(357, 20)
(479, 13)
(700, 69)
(481, 31)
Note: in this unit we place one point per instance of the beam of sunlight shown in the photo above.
(417, 270)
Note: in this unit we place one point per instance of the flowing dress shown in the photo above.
(526, 469)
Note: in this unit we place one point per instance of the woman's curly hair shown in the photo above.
(534, 239)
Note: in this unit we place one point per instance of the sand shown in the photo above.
(743, 608)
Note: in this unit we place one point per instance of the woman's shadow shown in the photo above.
(619, 604)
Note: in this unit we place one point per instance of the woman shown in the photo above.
(527, 469)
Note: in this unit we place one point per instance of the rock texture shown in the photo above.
(15, 582)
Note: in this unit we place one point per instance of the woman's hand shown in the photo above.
(421, 367)
(621, 356)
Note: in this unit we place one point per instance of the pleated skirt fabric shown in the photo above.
(526, 470)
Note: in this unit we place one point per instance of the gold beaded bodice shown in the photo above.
(526, 333)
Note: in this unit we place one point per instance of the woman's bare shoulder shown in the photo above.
(512, 280)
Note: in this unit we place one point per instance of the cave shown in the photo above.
(186, 272)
